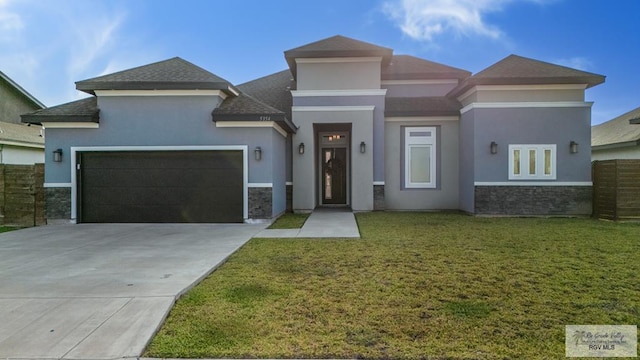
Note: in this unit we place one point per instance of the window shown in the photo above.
(532, 162)
(420, 157)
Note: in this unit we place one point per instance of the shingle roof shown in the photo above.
(247, 108)
(21, 135)
(337, 46)
(84, 110)
(406, 67)
(421, 106)
(518, 70)
(171, 74)
(617, 131)
(273, 90)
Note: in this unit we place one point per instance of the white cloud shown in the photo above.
(424, 19)
(580, 63)
(10, 22)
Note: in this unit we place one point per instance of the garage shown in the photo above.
(188, 186)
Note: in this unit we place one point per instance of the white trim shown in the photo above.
(333, 108)
(338, 60)
(522, 88)
(245, 167)
(231, 90)
(420, 82)
(250, 124)
(58, 185)
(378, 183)
(260, 185)
(21, 144)
(507, 105)
(289, 183)
(350, 92)
(421, 118)
(533, 183)
(106, 93)
(70, 125)
(524, 162)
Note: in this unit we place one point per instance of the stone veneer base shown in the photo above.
(533, 200)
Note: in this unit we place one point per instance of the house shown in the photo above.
(19, 144)
(348, 124)
(617, 138)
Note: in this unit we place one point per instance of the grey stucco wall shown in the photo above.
(466, 148)
(304, 166)
(159, 121)
(531, 126)
(417, 90)
(13, 104)
(339, 75)
(378, 122)
(445, 195)
(279, 173)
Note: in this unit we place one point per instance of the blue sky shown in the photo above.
(46, 46)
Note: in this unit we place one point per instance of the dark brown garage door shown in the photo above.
(160, 186)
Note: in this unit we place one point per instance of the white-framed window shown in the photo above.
(532, 162)
(420, 157)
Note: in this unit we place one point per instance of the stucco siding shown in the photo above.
(13, 104)
(279, 173)
(445, 195)
(467, 162)
(507, 126)
(338, 75)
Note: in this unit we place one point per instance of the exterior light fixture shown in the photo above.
(573, 147)
(301, 148)
(363, 147)
(494, 147)
(57, 155)
(258, 153)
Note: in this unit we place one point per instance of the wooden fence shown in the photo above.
(22, 195)
(616, 189)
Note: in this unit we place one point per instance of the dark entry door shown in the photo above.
(160, 186)
(334, 176)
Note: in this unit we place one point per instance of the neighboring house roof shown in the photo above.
(617, 132)
(421, 106)
(246, 108)
(171, 74)
(273, 90)
(406, 67)
(84, 110)
(335, 47)
(21, 135)
(518, 70)
(24, 92)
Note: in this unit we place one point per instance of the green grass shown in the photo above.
(417, 285)
(289, 221)
(9, 228)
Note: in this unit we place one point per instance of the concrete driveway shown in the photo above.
(101, 291)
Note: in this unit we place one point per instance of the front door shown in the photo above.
(334, 176)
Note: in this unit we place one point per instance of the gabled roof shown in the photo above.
(171, 74)
(246, 108)
(421, 106)
(84, 110)
(273, 90)
(22, 91)
(617, 132)
(407, 67)
(336, 47)
(21, 135)
(518, 70)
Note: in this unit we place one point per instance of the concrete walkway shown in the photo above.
(101, 291)
(322, 223)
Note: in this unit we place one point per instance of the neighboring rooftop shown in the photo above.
(617, 132)
(518, 70)
(84, 110)
(21, 135)
(171, 74)
(407, 67)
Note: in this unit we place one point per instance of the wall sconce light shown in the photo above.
(258, 153)
(57, 155)
(363, 147)
(494, 147)
(573, 147)
(301, 148)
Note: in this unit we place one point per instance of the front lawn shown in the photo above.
(417, 285)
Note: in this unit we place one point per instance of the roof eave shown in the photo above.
(39, 119)
(615, 145)
(91, 86)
